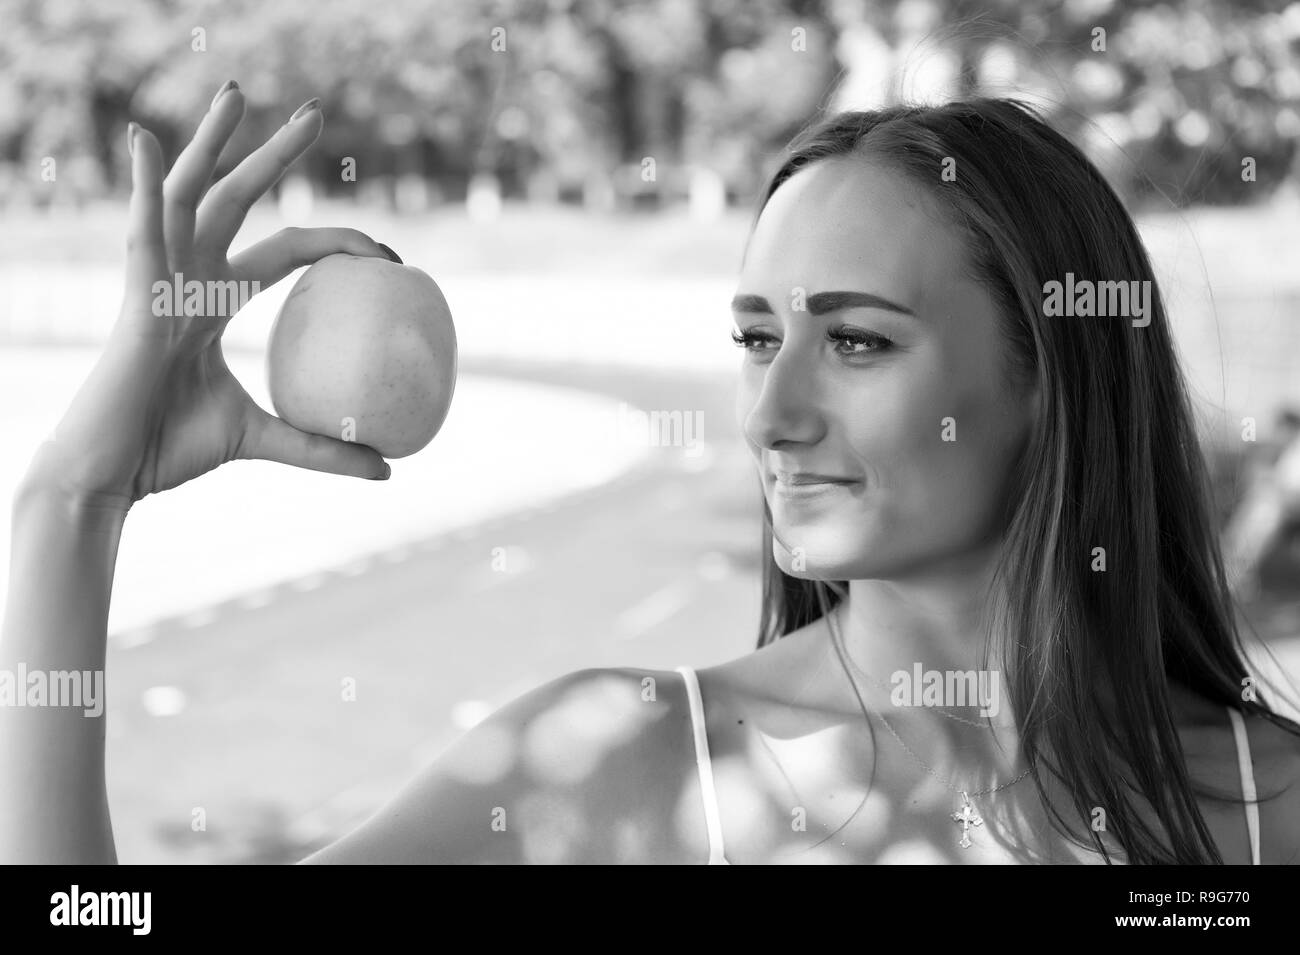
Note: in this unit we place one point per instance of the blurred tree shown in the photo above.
(558, 92)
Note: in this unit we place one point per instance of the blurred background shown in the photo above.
(288, 648)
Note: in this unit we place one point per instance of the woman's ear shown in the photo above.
(1026, 400)
(1035, 398)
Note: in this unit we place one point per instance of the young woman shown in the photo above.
(958, 483)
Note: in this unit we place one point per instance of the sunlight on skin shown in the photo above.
(806, 758)
(746, 813)
(822, 855)
(930, 799)
(492, 760)
(856, 818)
(827, 798)
(565, 743)
(764, 825)
(851, 813)
(912, 852)
(633, 841)
(872, 824)
(869, 827)
(551, 827)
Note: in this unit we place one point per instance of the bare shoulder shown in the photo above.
(787, 688)
(1275, 754)
(1210, 747)
(587, 768)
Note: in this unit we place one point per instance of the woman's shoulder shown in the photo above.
(596, 710)
(1275, 760)
(618, 743)
(578, 769)
(1207, 731)
(1214, 760)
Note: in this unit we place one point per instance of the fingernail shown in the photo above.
(131, 127)
(225, 88)
(387, 473)
(305, 108)
(390, 253)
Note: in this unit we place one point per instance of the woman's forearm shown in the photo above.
(53, 798)
(159, 408)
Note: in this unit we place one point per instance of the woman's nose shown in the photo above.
(784, 404)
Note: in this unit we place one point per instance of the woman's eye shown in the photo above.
(857, 341)
(753, 341)
(850, 342)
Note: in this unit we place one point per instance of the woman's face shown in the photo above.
(905, 405)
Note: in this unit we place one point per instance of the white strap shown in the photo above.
(1247, 782)
(712, 819)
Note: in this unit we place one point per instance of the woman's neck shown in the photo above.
(916, 645)
(934, 618)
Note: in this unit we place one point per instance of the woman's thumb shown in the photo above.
(273, 439)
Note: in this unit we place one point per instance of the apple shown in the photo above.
(364, 350)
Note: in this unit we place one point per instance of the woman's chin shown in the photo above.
(811, 563)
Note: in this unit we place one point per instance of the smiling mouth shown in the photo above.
(809, 490)
(806, 478)
(800, 486)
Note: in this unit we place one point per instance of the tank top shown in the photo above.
(713, 819)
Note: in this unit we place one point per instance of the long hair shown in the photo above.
(1113, 462)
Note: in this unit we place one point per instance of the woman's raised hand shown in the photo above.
(160, 406)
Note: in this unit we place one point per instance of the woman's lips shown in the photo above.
(809, 477)
(804, 486)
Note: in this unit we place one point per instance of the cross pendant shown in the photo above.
(966, 817)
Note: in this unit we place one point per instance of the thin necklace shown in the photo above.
(967, 816)
(938, 709)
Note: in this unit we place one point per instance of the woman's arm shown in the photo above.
(159, 408)
(554, 776)
(588, 768)
(53, 804)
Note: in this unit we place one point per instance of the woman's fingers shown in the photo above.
(146, 252)
(193, 170)
(223, 209)
(271, 439)
(275, 257)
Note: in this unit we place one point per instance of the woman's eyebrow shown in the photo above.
(821, 303)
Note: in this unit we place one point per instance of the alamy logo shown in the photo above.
(1087, 299)
(65, 688)
(75, 907)
(920, 687)
(656, 429)
(177, 298)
